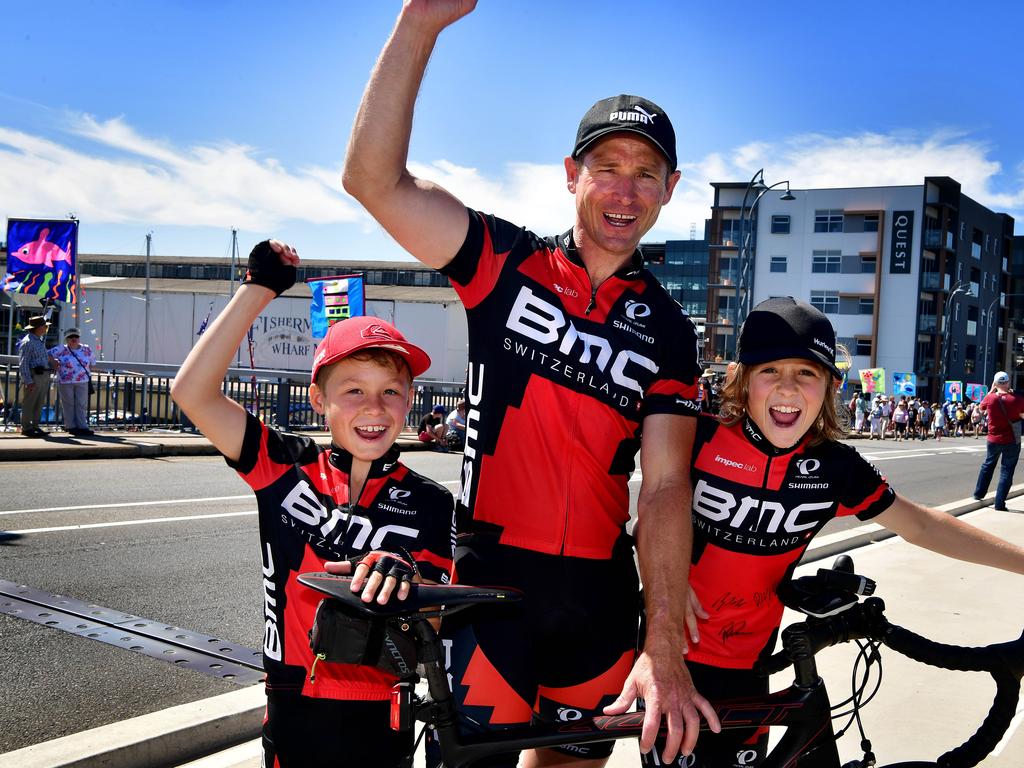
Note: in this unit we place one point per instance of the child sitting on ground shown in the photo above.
(318, 504)
(786, 476)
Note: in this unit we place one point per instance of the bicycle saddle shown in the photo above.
(421, 596)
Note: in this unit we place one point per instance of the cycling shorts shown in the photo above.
(733, 748)
(562, 653)
(300, 731)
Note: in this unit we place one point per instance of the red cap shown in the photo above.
(358, 333)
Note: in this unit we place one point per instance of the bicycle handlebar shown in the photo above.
(1004, 661)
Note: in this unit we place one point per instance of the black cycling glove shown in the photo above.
(402, 567)
(267, 269)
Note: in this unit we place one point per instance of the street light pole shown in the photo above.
(959, 287)
(988, 330)
(744, 267)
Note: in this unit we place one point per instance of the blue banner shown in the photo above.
(904, 384)
(41, 257)
(334, 299)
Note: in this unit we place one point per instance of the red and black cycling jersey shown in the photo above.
(307, 518)
(561, 376)
(755, 510)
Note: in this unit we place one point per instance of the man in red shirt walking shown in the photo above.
(1004, 410)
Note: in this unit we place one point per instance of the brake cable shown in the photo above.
(868, 653)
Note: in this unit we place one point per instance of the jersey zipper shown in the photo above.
(593, 299)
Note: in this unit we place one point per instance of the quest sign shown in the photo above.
(901, 242)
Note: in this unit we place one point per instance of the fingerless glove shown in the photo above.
(267, 269)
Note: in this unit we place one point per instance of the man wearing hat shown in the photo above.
(34, 367)
(74, 368)
(1004, 409)
(577, 358)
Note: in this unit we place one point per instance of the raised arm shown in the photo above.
(664, 537)
(425, 219)
(197, 387)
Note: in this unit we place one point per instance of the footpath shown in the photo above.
(919, 713)
(133, 445)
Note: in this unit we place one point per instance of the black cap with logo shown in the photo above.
(786, 327)
(630, 114)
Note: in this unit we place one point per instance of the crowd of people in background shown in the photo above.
(913, 418)
(881, 417)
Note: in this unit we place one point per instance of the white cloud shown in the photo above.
(141, 180)
(109, 173)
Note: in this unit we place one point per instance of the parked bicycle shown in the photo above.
(399, 636)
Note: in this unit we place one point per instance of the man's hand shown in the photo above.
(664, 683)
(377, 573)
(30, 387)
(272, 265)
(437, 14)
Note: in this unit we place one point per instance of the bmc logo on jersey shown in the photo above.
(543, 322)
(755, 515)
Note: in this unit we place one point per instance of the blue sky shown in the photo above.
(190, 117)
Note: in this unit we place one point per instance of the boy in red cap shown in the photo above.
(353, 502)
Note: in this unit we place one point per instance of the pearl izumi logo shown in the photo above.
(808, 466)
(635, 115)
(635, 310)
(397, 494)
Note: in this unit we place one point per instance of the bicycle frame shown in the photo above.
(803, 709)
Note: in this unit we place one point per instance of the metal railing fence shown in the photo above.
(137, 396)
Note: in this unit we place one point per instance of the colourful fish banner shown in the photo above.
(904, 384)
(976, 392)
(334, 299)
(872, 380)
(953, 391)
(41, 257)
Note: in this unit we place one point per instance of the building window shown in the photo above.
(866, 305)
(868, 264)
(826, 301)
(828, 220)
(778, 264)
(826, 261)
(871, 222)
(780, 225)
(863, 347)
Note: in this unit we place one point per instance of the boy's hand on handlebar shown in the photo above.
(664, 683)
(377, 574)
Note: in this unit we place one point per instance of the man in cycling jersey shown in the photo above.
(577, 359)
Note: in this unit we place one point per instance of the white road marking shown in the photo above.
(129, 522)
(125, 504)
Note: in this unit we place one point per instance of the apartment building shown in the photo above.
(916, 279)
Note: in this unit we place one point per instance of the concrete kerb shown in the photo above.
(157, 740)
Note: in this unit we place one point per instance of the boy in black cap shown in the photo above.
(578, 358)
(325, 508)
(768, 474)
